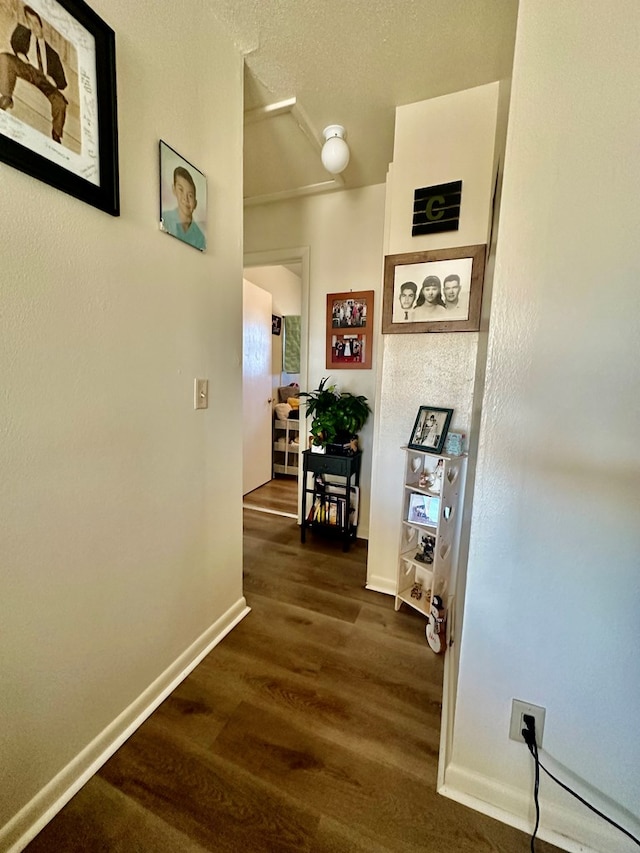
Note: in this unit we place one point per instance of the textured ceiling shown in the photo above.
(352, 62)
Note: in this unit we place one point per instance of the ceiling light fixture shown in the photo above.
(335, 151)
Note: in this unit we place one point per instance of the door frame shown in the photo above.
(281, 257)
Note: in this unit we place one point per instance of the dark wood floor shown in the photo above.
(279, 495)
(312, 727)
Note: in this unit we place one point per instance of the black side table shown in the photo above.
(347, 468)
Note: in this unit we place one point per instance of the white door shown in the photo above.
(256, 387)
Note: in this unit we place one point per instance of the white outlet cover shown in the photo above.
(518, 710)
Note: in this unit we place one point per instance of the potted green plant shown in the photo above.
(336, 417)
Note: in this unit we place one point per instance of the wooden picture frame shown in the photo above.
(430, 429)
(349, 330)
(434, 291)
(59, 122)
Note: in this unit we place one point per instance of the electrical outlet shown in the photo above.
(200, 393)
(518, 710)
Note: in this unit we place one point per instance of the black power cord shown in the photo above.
(529, 735)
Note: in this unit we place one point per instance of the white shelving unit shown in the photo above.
(431, 520)
(286, 446)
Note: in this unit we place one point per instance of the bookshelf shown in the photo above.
(430, 536)
(286, 446)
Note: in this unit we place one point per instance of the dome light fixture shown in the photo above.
(335, 151)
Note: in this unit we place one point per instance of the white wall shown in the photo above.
(121, 515)
(431, 146)
(285, 287)
(554, 573)
(344, 233)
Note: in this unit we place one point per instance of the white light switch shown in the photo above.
(201, 394)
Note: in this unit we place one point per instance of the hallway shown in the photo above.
(313, 726)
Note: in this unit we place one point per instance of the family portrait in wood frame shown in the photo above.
(433, 291)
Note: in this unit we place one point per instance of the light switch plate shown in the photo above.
(201, 394)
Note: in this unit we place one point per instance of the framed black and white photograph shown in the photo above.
(58, 119)
(435, 291)
(430, 429)
(183, 199)
(276, 324)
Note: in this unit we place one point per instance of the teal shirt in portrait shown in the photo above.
(193, 235)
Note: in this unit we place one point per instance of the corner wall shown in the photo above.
(431, 147)
(121, 515)
(553, 591)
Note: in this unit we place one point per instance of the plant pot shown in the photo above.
(344, 448)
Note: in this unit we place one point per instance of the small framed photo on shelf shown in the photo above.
(455, 444)
(349, 330)
(430, 429)
(423, 509)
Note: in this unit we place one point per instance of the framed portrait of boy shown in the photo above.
(183, 199)
(349, 325)
(434, 291)
(58, 119)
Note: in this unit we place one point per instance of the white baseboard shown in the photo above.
(449, 680)
(576, 831)
(379, 584)
(27, 823)
(363, 532)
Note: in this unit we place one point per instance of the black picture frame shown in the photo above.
(89, 172)
(430, 439)
(276, 324)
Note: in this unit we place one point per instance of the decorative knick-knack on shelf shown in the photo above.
(425, 549)
(436, 479)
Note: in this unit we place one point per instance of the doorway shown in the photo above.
(284, 274)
